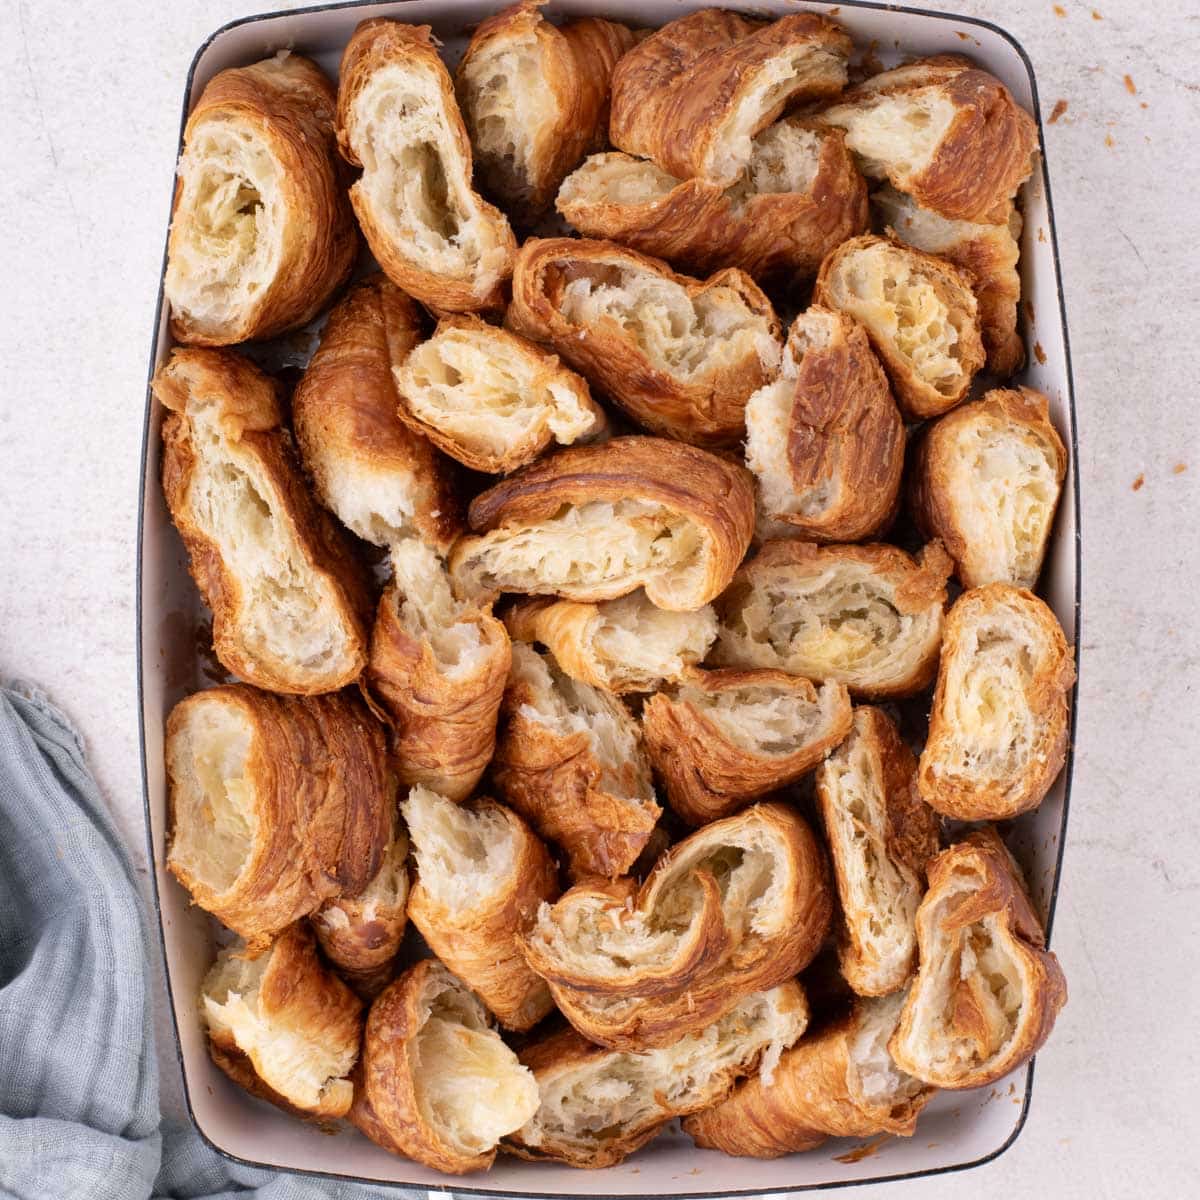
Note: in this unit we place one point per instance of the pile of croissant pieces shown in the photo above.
(667, 638)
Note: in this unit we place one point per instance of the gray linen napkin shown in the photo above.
(79, 1115)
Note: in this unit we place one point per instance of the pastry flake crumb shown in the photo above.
(1060, 107)
(1179, 468)
(1139, 482)
(1130, 86)
(1039, 353)
(1109, 140)
(1059, 11)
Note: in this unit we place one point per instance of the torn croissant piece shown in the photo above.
(482, 873)
(437, 670)
(986, 479)
(839, 1081)
(438, 1085)
(598, 1106)
(382, 480)
(998, 728)
(397, 118)
(261, 232)
(800, 197)
(867, 616)
(535, 100)
(723, 738)
(880, 834)
(825, 439)
(942, 131)
(361, 934)
(623, 645)
(283, 1026)
(988, 991)
(738, 907)
(692, 95)
(988, 250)
(490, 399)
(680, 356)
(276, 803)
(288, 599)
(569, 759)
(593, 523)
(920, 313)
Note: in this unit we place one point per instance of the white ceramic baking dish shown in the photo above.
(958, 1130)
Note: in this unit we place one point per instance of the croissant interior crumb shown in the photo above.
(429, 610)
(387, 891)
(639, 644)
(897, 134)
(469, 1085)
(616, 179)
(215, 822)
(879, 1079)
(309, 1071)
(377, 505)
(783, 158)
(490, 395)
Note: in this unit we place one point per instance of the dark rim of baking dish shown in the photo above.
(1068, 769)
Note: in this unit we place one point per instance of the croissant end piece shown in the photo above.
(825, 439)
(623, 645)
(276, 804)
(261, 232)
(986, 479)
(288, 599)
(998, 729)
(838, 1082)
(988, 250)
(437, 1084)
(437, 669)
(597, 522)
(723, 738)
(679, 355)
(945, 132)
(881, 835)
(361, 935)
(920, 313)
(535, 100)
(383, 481)
(397, 118)
(694, 93)
(598, 1106)
(283, 1026)
(482, 873)
(492, 400)
(988, 992)
(739, 906)
(867, 616)
(570, 760)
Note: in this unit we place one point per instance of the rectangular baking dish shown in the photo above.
(957, 1130)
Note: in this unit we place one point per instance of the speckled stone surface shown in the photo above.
(91, 102)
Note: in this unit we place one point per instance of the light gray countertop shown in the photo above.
(91, 102)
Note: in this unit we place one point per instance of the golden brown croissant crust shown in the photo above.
(819, 1091)
(355, 447)
(482, 873)
(880, 835)
(826, 440)
(289, 995)
(437, 1084)
(737, 907)
(723, 738)
(868, 616)
(437, 670)
(569, 758)
(692, 94)
(603, 308)
(999, 725)
(986, 479)
(987, 992)
(920, 313)
(432, 234)
(261, 231)
(276, 803)
(226, 457)
(554, 121)
(801, 197)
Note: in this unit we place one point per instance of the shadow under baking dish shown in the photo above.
(958, 1130)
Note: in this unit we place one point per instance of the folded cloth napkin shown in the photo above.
(79, 1115)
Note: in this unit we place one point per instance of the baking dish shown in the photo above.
(958, 1130)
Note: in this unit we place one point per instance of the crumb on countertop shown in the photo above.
(1060, 107)
(1139, 482)
(1130, 86)
(1179, 468)
(1096, 16)
(1059, 11)
(1109, 140)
